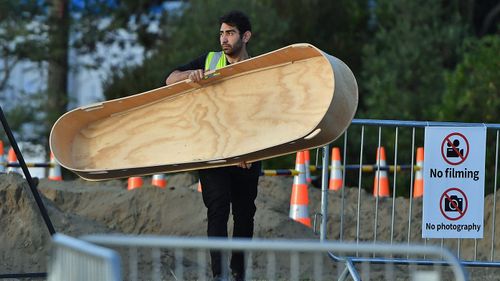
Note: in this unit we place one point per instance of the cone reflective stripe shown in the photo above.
(2, 158)
(12, 159)
(307, 161)
(134, 182)
(336, 171)
(381, 181)
(299, 210)
(55, 169)
(418, 186)
(299, 200)
(159, 180)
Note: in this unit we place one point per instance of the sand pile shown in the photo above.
(24, 236)
(79, 207)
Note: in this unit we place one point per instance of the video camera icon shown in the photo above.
(455, 151)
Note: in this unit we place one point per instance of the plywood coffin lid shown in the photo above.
(283, 101)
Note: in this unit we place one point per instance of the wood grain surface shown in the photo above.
(241, 115)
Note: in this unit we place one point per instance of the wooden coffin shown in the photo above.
(291, 99)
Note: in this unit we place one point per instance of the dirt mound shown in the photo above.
(80, 207)
(25, 237)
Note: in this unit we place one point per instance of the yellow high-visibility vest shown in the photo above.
(215, 60)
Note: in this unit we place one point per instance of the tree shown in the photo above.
(336, 27)
(473, 87)
(20, 33)
(58, 44)
(45, 31)
(414, 43)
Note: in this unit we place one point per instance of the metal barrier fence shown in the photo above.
(391, 215)
(176, 258)
(75, 260)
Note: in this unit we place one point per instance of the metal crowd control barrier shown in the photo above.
(180, 258)
(361, 234)
(76, 260)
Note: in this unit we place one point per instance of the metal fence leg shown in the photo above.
(351, 269)
(324, 192)
(344, 275)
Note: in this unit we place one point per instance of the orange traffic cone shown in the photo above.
(418, 186)
(12, 159)
(134, 182)
(55, 169)
(159, 181)
(336, 171)
(381, 181)
(307, 159)
(199, 186)
(300, 200)
(3, 163)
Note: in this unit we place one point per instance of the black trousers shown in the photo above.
(223, 188)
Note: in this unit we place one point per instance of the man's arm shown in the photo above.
(177, 75)
(192, 70)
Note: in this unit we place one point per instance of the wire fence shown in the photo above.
(397, 218)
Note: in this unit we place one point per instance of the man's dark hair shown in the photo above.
(237, 19)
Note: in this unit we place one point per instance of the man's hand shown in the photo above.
(176, 76)
(196, 75)
(244, 165)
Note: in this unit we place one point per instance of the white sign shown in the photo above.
(454, 160)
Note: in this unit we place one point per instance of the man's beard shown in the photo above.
(233, 50)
